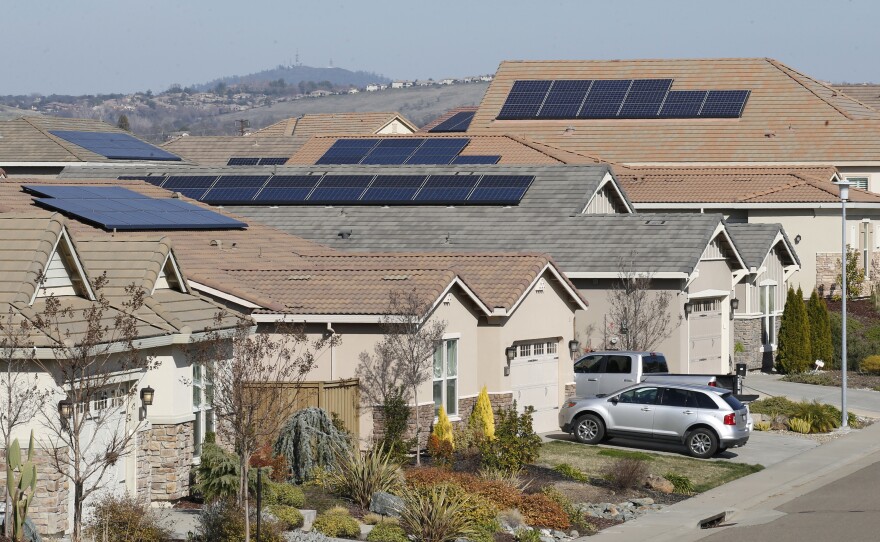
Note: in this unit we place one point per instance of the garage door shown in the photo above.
(534, 375)
(705, 323)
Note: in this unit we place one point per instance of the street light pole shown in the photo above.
(844, 195)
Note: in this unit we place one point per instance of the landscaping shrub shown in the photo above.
(820, 329)
(515, 443)
(861, 340)
(794, 353)
(681, 483)
(387, 532)
(288, 516)
(437, 514)
(627, 473)
(443, 428)
(284, 494)
(276, 463)
(372, 518)
(527, 535)
(337, 523)
(358, 475)
(223, 521)
(124, 519)
(870, 365)
(217, 473)
(541, 511)
(482, 420)
(441, 450)
(512, 518)
(578, 519)
(816, 379)
(822, 417)
(570, 472)
(308, 440)
(799, 425)
(762, 426)
(397, 413)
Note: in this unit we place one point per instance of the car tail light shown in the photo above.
(714, 384)
(730, 419)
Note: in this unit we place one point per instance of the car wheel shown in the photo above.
(702, 443)
(589, 429)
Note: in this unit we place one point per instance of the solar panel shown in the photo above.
(438, 151)
(335, 189)
(242, 161)
(501, 189)
(644, 98)
(152, 179)
(392, 151)
(724, 103)
(283, 189)
(564, 99)
(273, 161)
(458, 122)
(683, 104)
(347, 151)
(393, 189)
(191, 186)
(604, 99)
(524, 100)
(447, 189)
(476, 159)
(235, 189)
(118, 208)
(114, 145)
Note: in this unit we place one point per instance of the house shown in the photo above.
(44, 145)
(372, 87)
(803, 200)
(401, 84)
(45, 259)
(867, 93)
(763, 113)
(306, 126)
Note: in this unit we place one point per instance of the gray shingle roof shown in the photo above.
(754, 241)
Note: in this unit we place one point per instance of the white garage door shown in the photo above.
(534, 376)
(705, 323)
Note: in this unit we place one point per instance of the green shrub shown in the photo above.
(576, 517)
(793, 353)
(817, 379)
(570, 472)
(397, 413)
(799, 425)
(335, 524)
(437, 514)
(527, 535)
(284, 494)
(680, 483)
(309, 439)
(861, 340)
(762, 426)
(823, 417)
(358, 475)
(124, 519)
(820, 329)
(626, 473)
(387, 532)
(515, 444)
(223, 521)
(289, 517)
(372, 518)
(217, 473)
(870, 364)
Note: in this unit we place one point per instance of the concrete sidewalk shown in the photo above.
(861, 402)
(752, 500)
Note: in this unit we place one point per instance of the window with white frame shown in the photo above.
(858, 182)
(767, 294)
(203, 398)
(446, 376)
(536, 348)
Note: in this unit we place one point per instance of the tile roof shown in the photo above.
(27, 139)
(789, 117)
(217, 150)
(307, 126)
(754, 241)
(769, 185)
(868, 94)
(446, 116)
(513, 150)
(26, 243)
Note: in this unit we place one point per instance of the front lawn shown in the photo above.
(596, 461)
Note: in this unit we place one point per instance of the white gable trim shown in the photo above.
(78, 270)
(223, 295)
(608, 178)
(548, 267)
(175, 270)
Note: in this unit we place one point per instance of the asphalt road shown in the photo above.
(846, 509)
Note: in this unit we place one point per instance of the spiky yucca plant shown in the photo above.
(21, 488)
(358, 475)
(436, 514)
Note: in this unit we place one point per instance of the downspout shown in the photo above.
(329, 333)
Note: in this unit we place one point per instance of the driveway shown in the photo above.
(861, 402)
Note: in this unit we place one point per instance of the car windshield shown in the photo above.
(588, 364)
(732, 401)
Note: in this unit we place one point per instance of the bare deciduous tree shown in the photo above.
(244, 366)
(403, 360)
(640, 311)
(21, 396)
(93, 347)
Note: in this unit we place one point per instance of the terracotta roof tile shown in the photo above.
(332, 123)
(217, 150)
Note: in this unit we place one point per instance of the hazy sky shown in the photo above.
(89, 46)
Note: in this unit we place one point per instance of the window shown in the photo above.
(539, 349)
(640, 396)
(865, 246)
(525, 350)
(654, 364)
(551, 347)
(858, 182)
(674, 397)
(589, 364)
(446, 376)
(767, 294)
(618, 364)
(202, 397)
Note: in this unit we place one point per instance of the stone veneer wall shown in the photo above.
(570, 390)
(169, 450)
(748, 332)
(827, 269)
(49, 508)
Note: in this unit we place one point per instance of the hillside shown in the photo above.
(9, 113)
(292, 75)
(418, 104)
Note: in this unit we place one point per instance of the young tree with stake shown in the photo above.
(641, 311)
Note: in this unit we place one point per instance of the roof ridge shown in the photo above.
(53, 138)
(773, 190)
(551, 151)
(693, 59)
(787, 70)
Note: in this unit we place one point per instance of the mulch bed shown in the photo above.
(862, 309)
(187, 503)
(853, 379)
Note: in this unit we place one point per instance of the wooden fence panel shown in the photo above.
(339, 396)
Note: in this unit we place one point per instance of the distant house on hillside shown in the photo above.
(372, 87)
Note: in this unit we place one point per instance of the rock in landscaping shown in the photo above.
(386, 504)
(658, 483)
(558, 534)
(547, 538)
(647, 501)
(574, 534)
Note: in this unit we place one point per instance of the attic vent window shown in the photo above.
(539, 288)
(655, 222)
(447, 300)
(299, 277)
(395, 277)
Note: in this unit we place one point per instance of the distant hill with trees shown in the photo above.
(294, 75)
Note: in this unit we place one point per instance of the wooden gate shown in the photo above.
(339, 396)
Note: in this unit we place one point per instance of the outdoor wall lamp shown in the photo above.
(65, 408)
(624, 328)
(510, 353)
(797, 239)
(573, 347)
(687, 308)
(147, 396)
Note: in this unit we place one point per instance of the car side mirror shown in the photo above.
(614, 400)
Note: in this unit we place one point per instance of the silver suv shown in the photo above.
(706, 420)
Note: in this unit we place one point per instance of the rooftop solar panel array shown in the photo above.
(458, 122)
(617, 99)
(115, 145)
(336, 189)
(257, 161)
(394, 151)
(113, 207)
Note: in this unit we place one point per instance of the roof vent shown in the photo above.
(216, 243)
(395, 277)
(344, 234)
(655, 222)
(299, 277)
(769, 133)
(176, 195)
